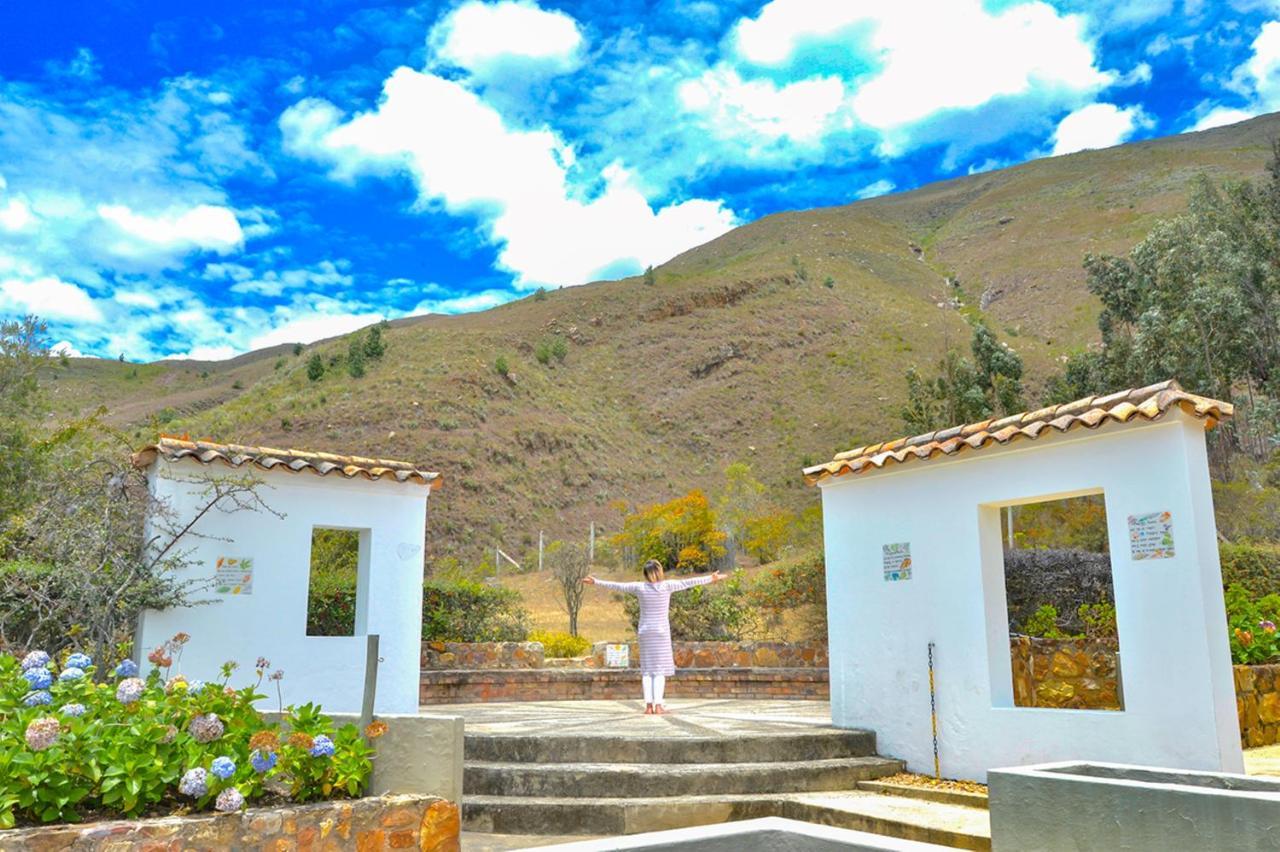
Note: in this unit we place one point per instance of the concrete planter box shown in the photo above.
(371, 824)
(1075, 805)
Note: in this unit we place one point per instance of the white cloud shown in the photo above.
(49, 298)
(219, 352)
(203, 227)
(801, 111)
(1257, 79)
(491, 39)
(64, 347)
(464, 157)
(903, 74)
(310, 327)
(464, 304)
(16, 215)
(1097, 126)
(272, 282)
(880, 187)
(1221, 116)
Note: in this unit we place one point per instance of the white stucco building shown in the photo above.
(914, 555)
(261, 561)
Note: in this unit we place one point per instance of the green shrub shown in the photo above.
(1251, 631)
(1099, 620)
(542, 351)
(800, 585)
(1254, 566)
(501, 367)
(466, 611)
(315, 368)
(71, 748)
(556, 643)
(1044, 623)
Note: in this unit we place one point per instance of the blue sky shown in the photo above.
(202, 179)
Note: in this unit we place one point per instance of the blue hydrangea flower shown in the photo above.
(39, 678)
(79, 661)
(263, 761)
(195, 783)
(195, 687)
(223, 767)
(71, 673)
(130, 690)
(35, 660)
(127, 668)
(37, 698)
(322, 746)
(72, 709)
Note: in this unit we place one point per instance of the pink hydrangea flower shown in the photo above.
(229, 800)
(43, 732)
(206, 728)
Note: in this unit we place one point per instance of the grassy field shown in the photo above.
(778, 343)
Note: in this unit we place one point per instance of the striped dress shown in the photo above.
(654, 631)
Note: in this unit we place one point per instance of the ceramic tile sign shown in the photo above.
(617, 656)
(233, 576)
(1151, 536)
(896, 560)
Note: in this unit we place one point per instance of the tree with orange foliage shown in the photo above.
(681, 534)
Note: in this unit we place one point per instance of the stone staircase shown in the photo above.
(596, 784)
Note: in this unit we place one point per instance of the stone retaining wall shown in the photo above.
(1075, 674)
(442, 656)
(479, 685)
(376, 823)
(1258, 704)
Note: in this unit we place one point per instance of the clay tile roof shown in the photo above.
(174, 448)
(1129, 406)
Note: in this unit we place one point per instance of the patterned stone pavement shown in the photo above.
(685, 717)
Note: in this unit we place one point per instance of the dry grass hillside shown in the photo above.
(778, 343)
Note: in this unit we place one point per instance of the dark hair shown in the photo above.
(653, 566)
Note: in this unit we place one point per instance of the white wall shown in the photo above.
(271, 622)
(1179, 700)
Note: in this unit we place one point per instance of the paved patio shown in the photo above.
(685, 717)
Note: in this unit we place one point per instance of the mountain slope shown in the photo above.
(777, 343)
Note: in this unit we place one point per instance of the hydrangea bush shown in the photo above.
(72, 748)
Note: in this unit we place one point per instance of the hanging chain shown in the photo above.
(933, 715)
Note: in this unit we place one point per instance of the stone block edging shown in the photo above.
(464, 686)
(450, 656)
(374, 823)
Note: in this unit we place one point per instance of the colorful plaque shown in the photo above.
(617, 656)
(897, 562)
(233, 576)
(1151, 536)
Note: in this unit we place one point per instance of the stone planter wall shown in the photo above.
(449, 656)
(1075, 674)
(482, 655)
(487, 685)
(376, 823)
(1258, 704)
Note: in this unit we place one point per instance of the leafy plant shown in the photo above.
(501, 367)
(556, 643)
(71, 747)
(1044, 623)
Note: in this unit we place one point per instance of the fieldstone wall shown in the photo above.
(482, 655)
(377, 823)
(1076, 674)
(449, 656)
(484, 685)
(732, 655)
(1258, 704)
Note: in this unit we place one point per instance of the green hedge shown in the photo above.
(1256, 567)
(452, 611)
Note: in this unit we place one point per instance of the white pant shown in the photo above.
(653, 687)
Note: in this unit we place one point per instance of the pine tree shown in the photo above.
(649, 278)
(315, 368)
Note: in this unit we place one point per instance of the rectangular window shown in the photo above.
(1063, 645)
(337, 589)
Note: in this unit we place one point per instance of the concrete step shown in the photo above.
(894, 816)
(584, 780)
(822, 744)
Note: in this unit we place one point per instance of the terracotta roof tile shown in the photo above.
(1128, 406)
(172, 448)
